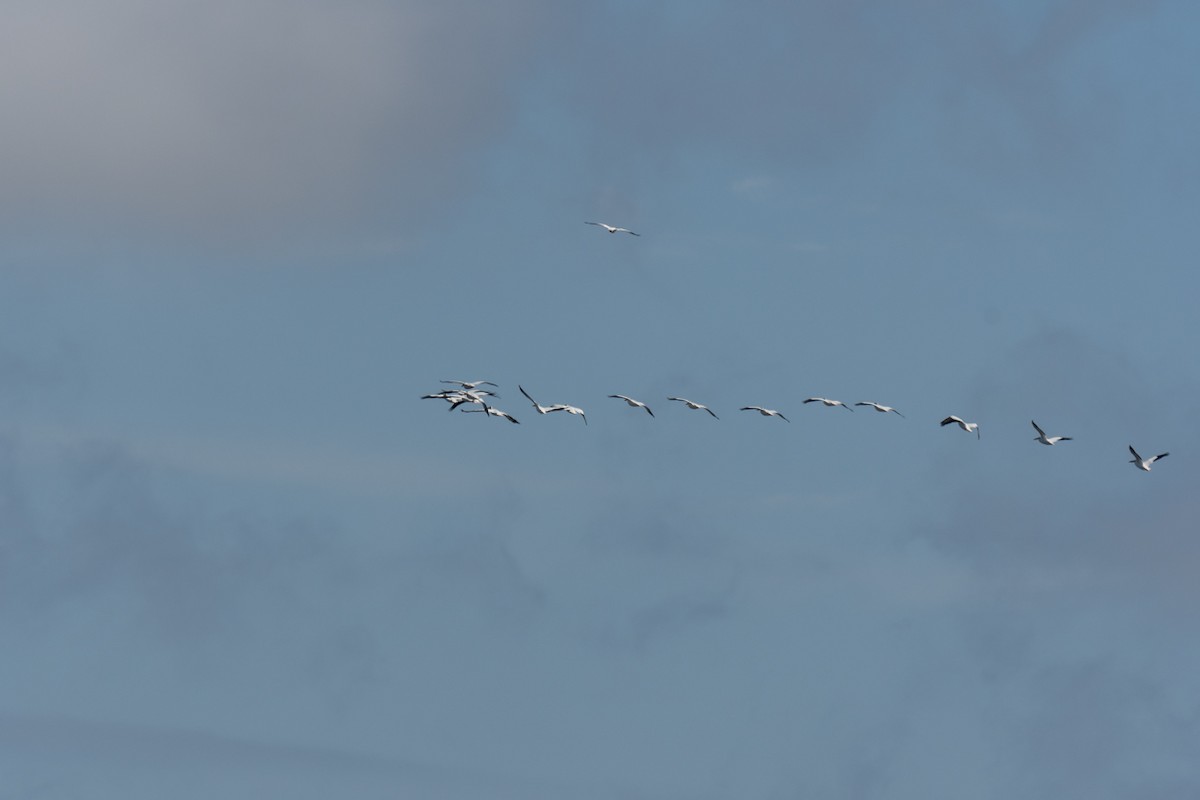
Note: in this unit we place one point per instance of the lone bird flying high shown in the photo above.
(1044, 439)
(1144, 463)
(966, 426)
(612, 228)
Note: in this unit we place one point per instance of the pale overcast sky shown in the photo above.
(240, 558)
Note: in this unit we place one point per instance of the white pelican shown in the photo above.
(469, 385)
(492, 412)
(694, 405)
(880, 408)
(540, 409)
(456, 397)
(556, 407)
(1044, 439)
(966, 426)
(1144, 463)
(613, 228)
(766, 412)
(474, 396)
(569, 409)
(633, 403)
(829, 403)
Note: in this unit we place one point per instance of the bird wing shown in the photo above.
(527, 397)
(1036, 428)
(949, 420)
(1135, 453)
(1160, 455)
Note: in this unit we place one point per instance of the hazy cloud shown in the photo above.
(238, 123)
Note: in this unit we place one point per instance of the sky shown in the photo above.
(241, 557)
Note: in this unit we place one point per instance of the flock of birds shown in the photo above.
(478, 400)
(472, 393)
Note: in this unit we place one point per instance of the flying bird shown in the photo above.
(1044, 439)
(633, 403)
(829, 403)
(575, 410)
(540, 409)
(474, 396)
(449, 396)
(556, 407)
(966, 426)
(613, 228)
(881, 408)
(694, 405)
(469, 385)
(492, 412)
(766, 412)
(456, 397)
(1144, 463)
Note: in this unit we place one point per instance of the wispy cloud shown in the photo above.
(343, 470)
(248, 123)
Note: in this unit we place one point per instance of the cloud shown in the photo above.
(148, 761)
(991, 89)
(250, 125)
(682, 84)
(237, 123)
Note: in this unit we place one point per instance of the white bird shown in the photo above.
(456, 397)
(633, 403)
(613, 228)
(1044, 439)
(694, 405)
(1144, 463)
(766, 412)
(880, 408)
(474, 396)
(556, 407)
(966, 426)
(540, 409)
(469, 385)
(570, 410)
(492, 412)
(829, 403)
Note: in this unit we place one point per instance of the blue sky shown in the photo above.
(242, 558)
